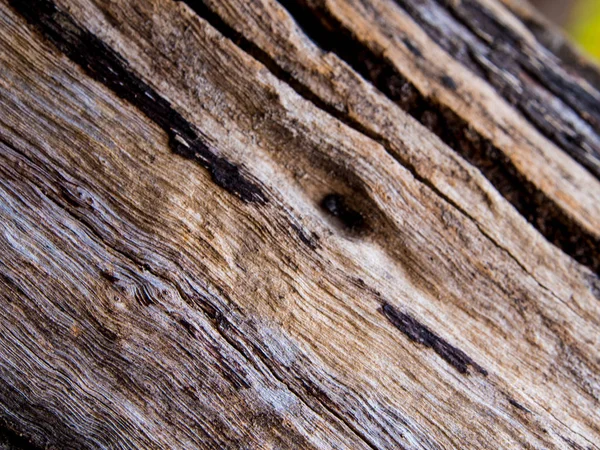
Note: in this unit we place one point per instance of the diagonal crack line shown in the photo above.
(305, 92)
(553, 221)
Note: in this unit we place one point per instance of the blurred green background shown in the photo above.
(580, 19)
(584, 26)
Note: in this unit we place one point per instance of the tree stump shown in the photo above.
(297, 224)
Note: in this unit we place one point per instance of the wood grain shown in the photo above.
(219, 233)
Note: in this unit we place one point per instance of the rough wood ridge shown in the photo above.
(328, 224)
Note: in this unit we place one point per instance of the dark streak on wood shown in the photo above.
(574, 445)
(449, 82)
(188, 327)
(419, 333)
(517, 405)
(311, 240)
(412, 47)
(107, 67)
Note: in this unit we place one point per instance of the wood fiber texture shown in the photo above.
(297, 224)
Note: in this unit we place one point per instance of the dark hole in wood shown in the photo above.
(336, 205)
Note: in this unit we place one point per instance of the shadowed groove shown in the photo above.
(420, 334)
(554, 223)
(556, 106)
(321, 39)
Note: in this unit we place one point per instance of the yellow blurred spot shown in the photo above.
(585, 26)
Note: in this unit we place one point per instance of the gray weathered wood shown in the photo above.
(296, 224)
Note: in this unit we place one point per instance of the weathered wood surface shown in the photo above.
(296, 224)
